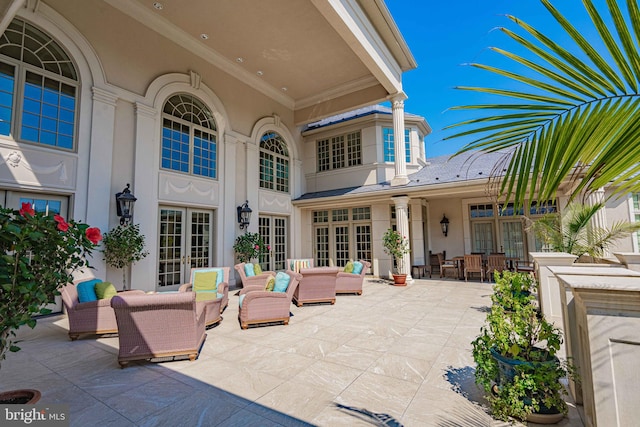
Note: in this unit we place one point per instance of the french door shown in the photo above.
(483, 237)
(273, 230)
(185, 242)
(513, 239)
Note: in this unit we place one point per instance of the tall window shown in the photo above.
(339, 151)
(389, 146)
(189, 137)
(274, 163)
(38, 88)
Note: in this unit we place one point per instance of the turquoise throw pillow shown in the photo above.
(86, 290)
(357, 267)
(282, 282)
(248, 270)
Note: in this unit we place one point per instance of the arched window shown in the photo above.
(38, 88)
(189, 137)
(274, 163)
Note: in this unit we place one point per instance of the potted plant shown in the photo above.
(397, 246)
(39, 254)
(250, 246)
(123, 246)
(515, 356)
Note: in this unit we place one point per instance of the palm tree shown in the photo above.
(573, 231)
(577, 119)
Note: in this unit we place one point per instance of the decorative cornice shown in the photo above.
(104, 96)
(146, 111)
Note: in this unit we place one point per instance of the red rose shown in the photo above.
(62, 224)
(93, 234)
(27, 209)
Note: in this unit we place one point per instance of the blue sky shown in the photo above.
(443, 35)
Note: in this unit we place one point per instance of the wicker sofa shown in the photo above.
(349, 283)
(260, 306)
(159, 326)
(316, 285)
(92, 317)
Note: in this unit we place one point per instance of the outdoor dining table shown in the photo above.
(459, 262)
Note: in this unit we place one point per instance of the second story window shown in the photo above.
(389, 146)
(274, 163)
(189, 137)
(339, 151)
(38, 88)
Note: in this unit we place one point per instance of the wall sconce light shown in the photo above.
(124, 205)
(244, 215)
(444, 224)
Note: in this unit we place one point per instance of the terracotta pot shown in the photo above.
(400, 279)
(24, 397)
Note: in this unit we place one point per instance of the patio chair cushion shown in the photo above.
(241, 299)
(357, 267)
(86, 290)
(205, 281)
(271, 283)
(257, 269)
(282, 282)
(249, 270)
(349, 267)
(197, 271)
(105, 290)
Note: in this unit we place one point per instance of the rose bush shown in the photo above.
(250, 245)
(38, 255)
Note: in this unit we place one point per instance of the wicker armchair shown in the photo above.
(349, 283)
(92, 317)
(159, 325)
(215, 305)
(258, 279)
(260, 306)
(316, 285)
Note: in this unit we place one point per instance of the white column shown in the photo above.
(599, 220)
(144, 186)
(398, 141)
(100, 162)
(252, 169)
(402, 226)
(227, 213)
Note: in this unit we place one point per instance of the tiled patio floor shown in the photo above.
(402, 353)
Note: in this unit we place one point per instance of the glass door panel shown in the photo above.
(483, 237)
(513, 239)
(200, 242)
(273, 230)
(321, 254)
(171, 250)
(342, 245)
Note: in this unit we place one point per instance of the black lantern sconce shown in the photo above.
(244, 215)
(124, 205)
(444, 224)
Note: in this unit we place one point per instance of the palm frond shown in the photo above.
(579, 119)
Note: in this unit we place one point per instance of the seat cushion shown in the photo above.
(205, 281)
(241, 299)
(282, 282)
(357, 267)
(207, 296)
(86, 290)
(105, 290)
(249, 270)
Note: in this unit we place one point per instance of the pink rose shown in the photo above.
(93, 234)
(62, 224)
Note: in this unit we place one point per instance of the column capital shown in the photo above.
(104, 96)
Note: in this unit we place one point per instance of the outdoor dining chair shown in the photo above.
(473, 264)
